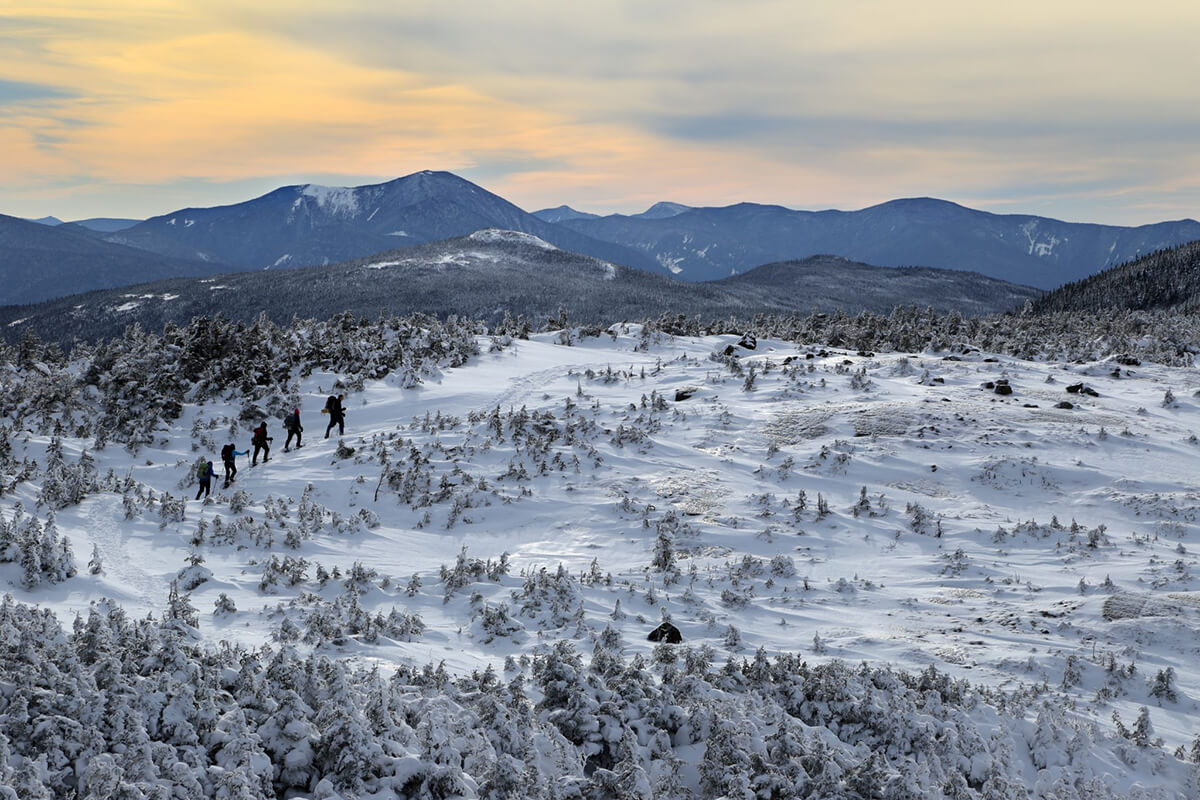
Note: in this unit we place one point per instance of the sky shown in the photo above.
(1083, 111)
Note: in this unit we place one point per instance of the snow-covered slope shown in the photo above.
(554, 495)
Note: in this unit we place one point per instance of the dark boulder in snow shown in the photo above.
(666, 633)
(685, 393)
(748, 341)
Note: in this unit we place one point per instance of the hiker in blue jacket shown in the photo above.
(227, 456)
(205, 474)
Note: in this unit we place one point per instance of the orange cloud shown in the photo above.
(609, 106)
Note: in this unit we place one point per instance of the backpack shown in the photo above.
(260, 434)
(290, 422)
(202, 470)
(227, 453)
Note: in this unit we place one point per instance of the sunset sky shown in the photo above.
(1085, 111)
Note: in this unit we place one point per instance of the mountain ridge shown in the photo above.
(313, 224)
(40, 261)
(488, 274)
(1167, 280)
(712, 242)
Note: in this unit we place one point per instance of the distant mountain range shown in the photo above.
(39, 262)
(709, 243)
(656, 211)
(491, 272)
(96, 224)
(306, 225)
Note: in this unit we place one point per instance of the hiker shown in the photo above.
(291, 423)
(259, 440)
(337, 416)
(205, 473)
(227, 455)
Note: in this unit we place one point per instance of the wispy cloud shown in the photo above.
(18, 93)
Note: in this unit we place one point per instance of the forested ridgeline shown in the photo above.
(1164, 280)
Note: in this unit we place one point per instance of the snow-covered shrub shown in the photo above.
(223, 605)
(42, 554)
(552, 598)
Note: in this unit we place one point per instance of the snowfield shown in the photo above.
(1028, 527)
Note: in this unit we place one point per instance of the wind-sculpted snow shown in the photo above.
(890, 579)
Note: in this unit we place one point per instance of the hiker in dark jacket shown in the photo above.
(227, 456)
(259, 440)
(291, 423)
(205, 474)
(337, 416)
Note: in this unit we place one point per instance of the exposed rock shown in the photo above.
(666, 633)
